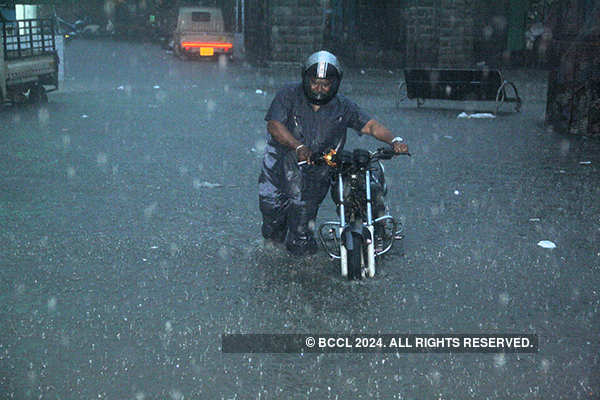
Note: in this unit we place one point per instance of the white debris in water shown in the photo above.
(362, 71)
(546, 244)
(155, 87)
(534, 220)
(168, 326)
(476, 115)
(197, 184)
(258, 91)
(456, 192)
(84, 116)
(585, 162)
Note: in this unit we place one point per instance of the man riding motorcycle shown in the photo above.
(306, 119)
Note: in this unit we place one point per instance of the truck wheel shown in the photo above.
(37, 94)
(180, 54)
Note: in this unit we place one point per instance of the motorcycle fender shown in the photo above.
(361, 231)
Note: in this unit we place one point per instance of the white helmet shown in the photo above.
(321, 65)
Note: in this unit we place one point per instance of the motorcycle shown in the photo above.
(365, 230)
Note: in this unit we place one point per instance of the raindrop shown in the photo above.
(52, 304)
(545, 366)
(102, 158)
(504, 298)
(499, 360)
(565, 145)
(211, 106)
(260, 145)
(168, 327)
(150, 210)
(223, 62)
(70, 172)
(66, 139)
(43, 116)
(224, 253)
(161, 96)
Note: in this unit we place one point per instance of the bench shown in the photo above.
(457, 85)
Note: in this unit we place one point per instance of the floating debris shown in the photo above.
(476, 115)
(546, 244)
(206, 184)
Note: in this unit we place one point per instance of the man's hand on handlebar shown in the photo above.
(304, 154)
(400, 147)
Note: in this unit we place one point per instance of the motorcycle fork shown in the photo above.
(343, 252)
(370, 241)
(365, 231)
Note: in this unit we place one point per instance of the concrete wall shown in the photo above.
(296, 29)
(439, 33)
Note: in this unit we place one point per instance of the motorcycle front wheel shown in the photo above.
(355, 257)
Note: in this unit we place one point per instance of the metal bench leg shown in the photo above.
(500, 96)
(517, 98)
(402, 94)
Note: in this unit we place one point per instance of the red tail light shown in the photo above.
(226, 46)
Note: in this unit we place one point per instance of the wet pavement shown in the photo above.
(130, 242)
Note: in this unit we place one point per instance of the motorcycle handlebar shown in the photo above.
(382, 153)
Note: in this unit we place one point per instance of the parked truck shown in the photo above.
(29, 61)
(201, 32)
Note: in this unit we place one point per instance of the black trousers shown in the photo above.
(289, 200)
